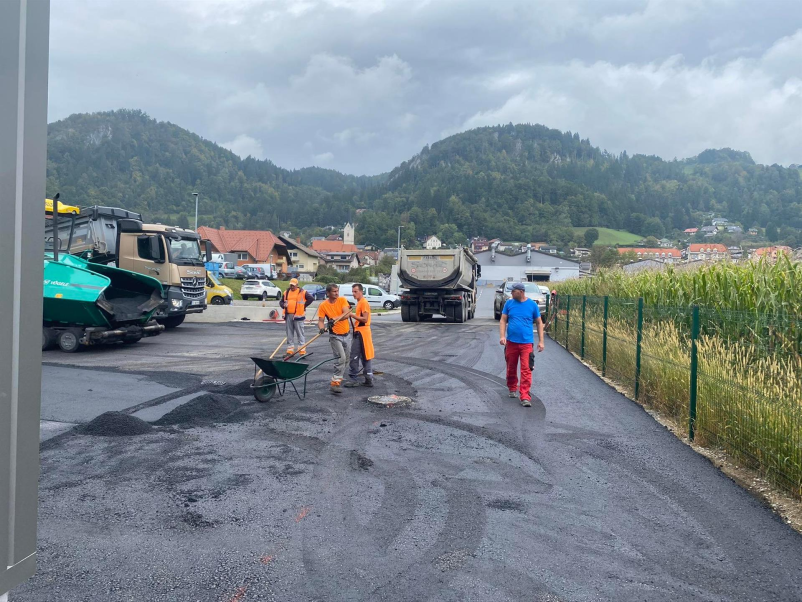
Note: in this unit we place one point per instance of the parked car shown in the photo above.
(504, 294)
(259, 289)
(260, 270)
(228, 270)
(62, 208)
(216, 293)
(240, 273)
(318, 291)
(376, 296)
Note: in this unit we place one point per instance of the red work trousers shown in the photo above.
(515, 352)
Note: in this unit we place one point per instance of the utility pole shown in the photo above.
(24, 35)
(195, 194)
(399, 243)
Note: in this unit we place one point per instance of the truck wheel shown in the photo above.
(459, 313)
(405, 313)
(218, 301)
(48, 338)
(68, 341)
(173, 321)
(450, 315)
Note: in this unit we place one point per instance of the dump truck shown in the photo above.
(118, 237)
(438, 282)
(87, 303)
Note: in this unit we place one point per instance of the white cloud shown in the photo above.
(327, 157)
(245, 146)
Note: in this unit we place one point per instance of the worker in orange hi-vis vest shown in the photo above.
(362, 343)
(294, 302)
(335, 309)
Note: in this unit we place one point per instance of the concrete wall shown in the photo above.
(499, 273)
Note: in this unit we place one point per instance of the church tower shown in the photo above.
(348, 234)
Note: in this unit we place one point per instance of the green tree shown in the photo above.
(653, 227)
(591, 236)
(772, 234)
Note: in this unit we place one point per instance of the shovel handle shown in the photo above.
(312, 340)
(284, 340)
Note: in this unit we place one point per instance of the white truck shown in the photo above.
(438, 282)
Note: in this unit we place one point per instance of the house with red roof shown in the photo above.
(251, 246)
(772, 253)
(660, 254)
(707, 251)
(691, 230)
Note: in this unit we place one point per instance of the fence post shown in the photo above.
(638, 347)
(567, 321)
(604, 338)
(694, 372)
(582, 348)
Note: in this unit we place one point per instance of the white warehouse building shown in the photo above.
(526, 266)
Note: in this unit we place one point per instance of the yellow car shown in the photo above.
(216, 293)
(62, 208)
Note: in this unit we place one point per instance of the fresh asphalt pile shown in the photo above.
(115, 424)
(204, 409)
(463, 495)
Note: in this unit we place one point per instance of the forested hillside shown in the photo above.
(126, 159)
(524, 182)
(528, 182)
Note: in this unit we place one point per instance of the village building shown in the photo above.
(707, 252)
(772, 253)
(336, 243)
(305, 261)
(250, 246)
(528, 265)
(432, 242)
(668, 255)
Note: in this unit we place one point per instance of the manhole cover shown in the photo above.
(389, 400)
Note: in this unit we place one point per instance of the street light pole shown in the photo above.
(399, 243)
(195, 194)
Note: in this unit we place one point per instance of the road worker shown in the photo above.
(362, 341)
(335, 309)
(294, 302)
(518, 319)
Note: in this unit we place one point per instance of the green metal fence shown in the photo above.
(734, 378)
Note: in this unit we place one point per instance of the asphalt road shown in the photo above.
(464, 495)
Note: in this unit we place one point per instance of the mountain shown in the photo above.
(126, 159)
(528, 182)
(522, 182)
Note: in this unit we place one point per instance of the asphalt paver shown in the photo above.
(461, 495)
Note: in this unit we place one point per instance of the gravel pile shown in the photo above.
(243, 388)
(205, 409)
(115, 424)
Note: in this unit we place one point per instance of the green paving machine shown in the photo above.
(89, 303)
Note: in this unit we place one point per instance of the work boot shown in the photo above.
(350, 384)
(513, 394)
(368, 382)
(335, 387)
(526, 403)
(290, 351)
(302, 352)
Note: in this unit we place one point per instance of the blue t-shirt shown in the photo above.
(521, 316)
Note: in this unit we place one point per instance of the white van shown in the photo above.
(376, 296)
(260, 270)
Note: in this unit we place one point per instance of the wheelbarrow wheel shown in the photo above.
(264, 388)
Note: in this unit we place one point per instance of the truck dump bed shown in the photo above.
(437, 269)
(95, 231)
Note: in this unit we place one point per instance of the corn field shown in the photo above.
(748, 384)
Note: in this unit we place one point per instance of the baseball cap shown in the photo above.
(518, 286)
(294, 281)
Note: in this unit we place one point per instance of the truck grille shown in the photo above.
(193, 288)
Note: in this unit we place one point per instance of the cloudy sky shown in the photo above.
(361, 85)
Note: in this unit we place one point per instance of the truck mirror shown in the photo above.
(208, 244)
(156, 250)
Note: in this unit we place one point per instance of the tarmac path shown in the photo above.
(462, 495)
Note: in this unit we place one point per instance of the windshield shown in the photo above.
(185, 249)
(214, 280)
(529, 287)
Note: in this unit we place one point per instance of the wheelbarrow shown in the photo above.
(273, 375)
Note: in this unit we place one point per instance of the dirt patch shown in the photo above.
(205, 409)
(115, 424)
(360, 462)
(506, 505)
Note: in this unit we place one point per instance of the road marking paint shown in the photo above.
(302, 514)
